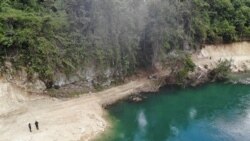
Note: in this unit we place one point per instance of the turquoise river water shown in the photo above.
(213, 112)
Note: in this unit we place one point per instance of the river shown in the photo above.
(213, 112)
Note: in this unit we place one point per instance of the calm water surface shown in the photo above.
(214, 112)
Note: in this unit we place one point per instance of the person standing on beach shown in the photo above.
(29, 125)
(37, 126)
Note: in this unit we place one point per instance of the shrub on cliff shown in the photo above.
(222, 71)
(187, 66)
(181, 65)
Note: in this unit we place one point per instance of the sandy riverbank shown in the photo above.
(82, 118)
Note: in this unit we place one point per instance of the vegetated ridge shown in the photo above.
(94, 44)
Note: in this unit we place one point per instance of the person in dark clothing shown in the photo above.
(29, 125)
(37, 126)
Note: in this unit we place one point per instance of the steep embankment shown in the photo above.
(238, 53)
(82, 118)
(11, 99)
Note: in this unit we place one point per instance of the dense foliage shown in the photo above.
(221, 20)
(28, 32)
(47, 36)
(221, 72)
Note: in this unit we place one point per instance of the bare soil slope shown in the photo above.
(239, 53)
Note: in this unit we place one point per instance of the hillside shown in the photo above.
(95, 44)
(72, 119)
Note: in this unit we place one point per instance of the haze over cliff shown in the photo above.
(97, 43)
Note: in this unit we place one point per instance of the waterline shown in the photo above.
(213, 112)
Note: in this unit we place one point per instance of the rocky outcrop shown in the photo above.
(199, 76)
(136, 98)
(81, 81)
(245, 81)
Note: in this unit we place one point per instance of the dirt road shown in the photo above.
(60, 120)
